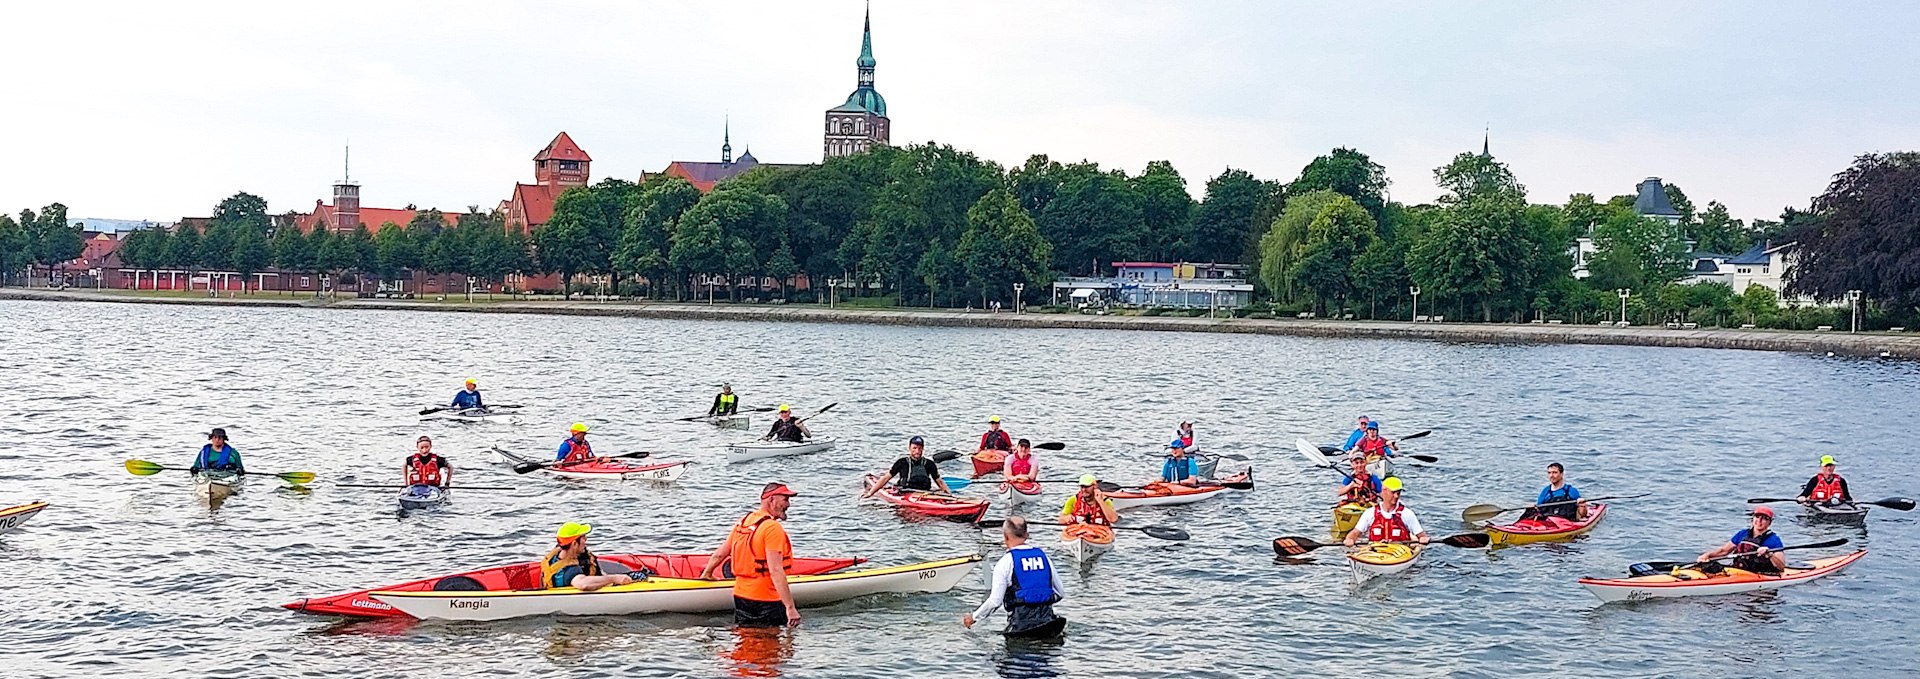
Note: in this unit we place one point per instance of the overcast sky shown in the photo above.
(158, 110)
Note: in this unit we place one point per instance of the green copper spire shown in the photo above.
(726, 140)
(866, 62)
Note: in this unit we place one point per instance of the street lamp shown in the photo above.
(1624, 293)
(1415, 291)
(1017, 288)
(1853, 296)
(831, 284)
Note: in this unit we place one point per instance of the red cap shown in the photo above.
(776, 488)
(1765, 511)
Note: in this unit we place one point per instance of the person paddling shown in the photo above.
(575, 449)
(785, 428)
(995, 438)
(1361, 487)
(1089, 505)
(469, 397)
(1021, 466)
(425, 467)
(217, 455)
(1359, 431)
(1023, 581)
(1180, 468)
(1563, 496)
(1373, 445)
(1388, 520)
(916, 472)
(1753, 547)
(1826, 487)
(761, 554)
(569, 564)
(724, 403)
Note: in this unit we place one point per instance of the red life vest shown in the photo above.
(1826, 487)
(1086, 509)
(1020, 466)
(1364, 491)
(577, 451)
(996, 439)
(426, 470)
(1388, 527)
(1373, 447)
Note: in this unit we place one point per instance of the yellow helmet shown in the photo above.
(994, 420)
(472, 383)
(571, 531)
(1088, 480)
(1826, 460)
(786, 408)
(1391, 483)
(578, 428)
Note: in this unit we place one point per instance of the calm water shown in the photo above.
(127, 576)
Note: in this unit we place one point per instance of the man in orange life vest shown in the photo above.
(1826, 487)
(1388, 521)
(761, 555)
(1090, 505)
(425, 467)
(575, 450)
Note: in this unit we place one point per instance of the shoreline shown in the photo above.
(1885, 345)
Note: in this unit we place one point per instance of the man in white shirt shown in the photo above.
(1388, 520)
(1025, 582)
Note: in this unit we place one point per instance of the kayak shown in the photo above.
(603, 469)
(1693, 582)
(1017, 494)
(1381, 558)
(468, 415)
(423, 497)
(755, 450)
(1550, 529)
(1084, 541)
(988, 462)
(526, 575)
(213, 486)
(12, 517)
(1158, 493)
(1346, 515)
(672, 595)
(932, 504)
(1843, 511)
(736, 421)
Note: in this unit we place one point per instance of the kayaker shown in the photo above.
(785, 428)
(425, 467)
(1826, 487)
(916, 472)
(1020, 465)
(1361, 487)
(1372, 444)
(1359, 430)
(725, 403)
(1023, 580)
(1388, 520)
(1180, 468)
(761, 554)
(1185, 433)
(1753, 546)
(1089, 505)
(995, 438)
(216, 454)
(1563, 496)
(571, 565)
(575, 449)
(468, 397)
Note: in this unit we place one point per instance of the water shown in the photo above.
(127, 576)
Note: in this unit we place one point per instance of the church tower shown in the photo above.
(726, 142)
(861, 122)
(561, 164)
(346, 198)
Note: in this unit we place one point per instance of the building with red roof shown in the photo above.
(705, 175)
(560, 166)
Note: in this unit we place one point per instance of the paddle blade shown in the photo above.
(526, 467)
(1896, 503)
(1310, 452)
(956, 483)
(297, 478)
(1109, 486)
(1295, 546)
(430, 411)
(1764, 500)
(1239, 485)
(1052, 445)
(946, 456)
(1230, 456)
(1467, 540)
(1429, 459)
(1480, 513)
(143, 468)
(989, 523)
(1329, 450)
(1165, 532)
(1416, 435)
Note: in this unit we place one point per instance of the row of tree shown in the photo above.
(38, 239)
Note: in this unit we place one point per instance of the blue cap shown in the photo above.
(916, 441)
(1177, 443)
(1373, 425)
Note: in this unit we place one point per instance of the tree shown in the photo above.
(494, 255)
(1583, 215)
(1719, 232)
(16, 250)
(183, 249)
(1224, 226)
(216, 247)
(1471, 253)
(644, 239)
(1474, 176)
(1338, 234)
(1758, 301)
(1636, 252)
(241, 210)
(1282, 247)
(288, 250)
(1348, 172)
(566, 247)
(1002, 246)
(250, 253)
(53, 241)
(1165, 207)
(395, 251)
(1864, 234)
(1681, 204)
(1095, 218)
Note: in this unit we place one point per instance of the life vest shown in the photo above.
(224, 458)
(996, 439)
(1020, 466)
(742, 539)
(1363, 492)
(1186, 438)
(1564, 494)
(1387, 527)
(1373, 447)
(1177, 469)
(919, 474)
(553, 565)
(1087, 510)
(426, 470)
(727, 403)
(1826, 487)
(786, 430)
(1032, 577)
(467, 399)
(1745, 559)
(577, 451)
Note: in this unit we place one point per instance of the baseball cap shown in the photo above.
(776, 488)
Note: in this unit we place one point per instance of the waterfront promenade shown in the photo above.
(1889, 345)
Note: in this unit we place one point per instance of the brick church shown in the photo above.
(861, 122)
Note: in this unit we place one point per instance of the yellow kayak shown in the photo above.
(1345, 515)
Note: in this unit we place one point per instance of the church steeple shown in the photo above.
(866, 62)
(1486, 142)
(726, 141)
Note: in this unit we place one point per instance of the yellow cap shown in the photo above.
(571, 531)
(1088, 480)
(578, 427)
(785, 408)
(471, 382)
(1391, 483)
(1826, 460)
(994, 420)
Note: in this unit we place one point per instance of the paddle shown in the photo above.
(1651, 567)
(1482, 512)
(402, 487)
(1895, 503)
(526, 467)
(1162, 532)
(1295, 546)
(145, 468)
(951, 455)
(430, 411)
(1331, 450)
(1109, 486)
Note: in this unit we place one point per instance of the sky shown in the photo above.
(139, 110)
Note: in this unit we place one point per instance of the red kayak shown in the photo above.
(932, 504)
(526, 576)
(988, 462)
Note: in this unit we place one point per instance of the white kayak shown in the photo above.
(605, 469)
(735, 421)
(755, 450)
(1084, 541)
(1019, 494)
(213, 487)
(1839, 511)
(470, 415)
(12, 517)
(423, 497)
(1380, 559)
(673, 595)
(1694, 582)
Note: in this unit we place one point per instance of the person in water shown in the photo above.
(575, 449)
(1089, 505)
(761, 554)
(217, 455)
(1754, 548)
(569, 564)
(468, 397)
(1388, 520)
(1563, 496)
(917, 472)
(1361, 487)
(1023, 581)
(1180, 467)
(786, 428)
(725, 403)
(1359, 431)
(1021, 465)
(995, 438)
(425, 467)
(1826, 487)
